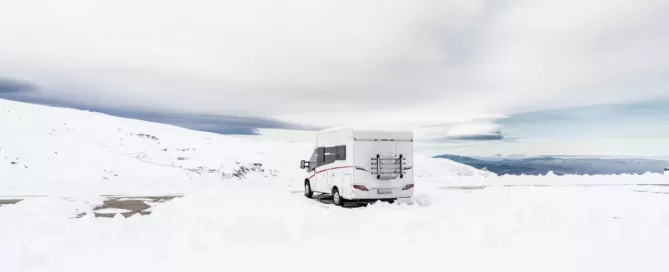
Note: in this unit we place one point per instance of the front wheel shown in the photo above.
(336, 197)
(307, 190)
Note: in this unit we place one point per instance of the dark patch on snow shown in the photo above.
(134, 205)
(198, 170)
(141, 135)
(242, 171)
(9, 201)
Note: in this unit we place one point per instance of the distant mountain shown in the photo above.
(559, 165)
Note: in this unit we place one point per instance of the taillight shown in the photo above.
(407, 187)
(360, 187)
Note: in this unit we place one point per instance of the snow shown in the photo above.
(241, 209)
(112, 211)
(46, 150)
(256, 228)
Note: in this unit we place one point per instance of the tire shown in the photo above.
(307, 189)
(336, 197)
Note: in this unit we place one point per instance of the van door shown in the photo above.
(321, 175)
(313, 169)
(323, 179)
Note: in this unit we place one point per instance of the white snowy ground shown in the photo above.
(256, 222)
(257, 228)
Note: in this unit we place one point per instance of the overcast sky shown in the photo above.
(394, 63)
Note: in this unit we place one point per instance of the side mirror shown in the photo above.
(303, 164)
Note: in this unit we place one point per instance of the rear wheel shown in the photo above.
(336, 197)
(307, 190)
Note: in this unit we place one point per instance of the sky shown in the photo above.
(468, 76)
(638, 130)
(224, 124)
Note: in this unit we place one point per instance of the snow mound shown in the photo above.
(430, 168)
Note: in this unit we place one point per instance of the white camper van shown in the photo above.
(360, 166)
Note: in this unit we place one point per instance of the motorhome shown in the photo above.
(360, 165)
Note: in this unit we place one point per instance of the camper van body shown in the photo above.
(361, 165)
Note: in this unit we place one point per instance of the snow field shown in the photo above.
(253, 227)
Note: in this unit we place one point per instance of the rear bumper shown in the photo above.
(373, 194)
(371, 200)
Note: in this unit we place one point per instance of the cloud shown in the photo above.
(476, 130)
(9, 86)
(330, 63)
(217, 123)
(484, 137)
(224, 124)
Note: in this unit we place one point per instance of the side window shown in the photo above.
(327, 155)
(330, 155)
(341, 152)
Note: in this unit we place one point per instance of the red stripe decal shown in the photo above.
(333, 168)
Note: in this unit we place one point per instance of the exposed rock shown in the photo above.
(242, 171)
(141, 135)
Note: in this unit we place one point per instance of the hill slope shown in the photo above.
(46, 149)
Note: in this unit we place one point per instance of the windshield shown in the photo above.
(313, 160)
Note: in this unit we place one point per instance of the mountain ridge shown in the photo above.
(541, 165)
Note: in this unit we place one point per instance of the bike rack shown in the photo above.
(388, 167)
